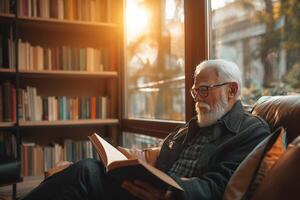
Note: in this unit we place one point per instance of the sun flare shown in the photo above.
(137, 19)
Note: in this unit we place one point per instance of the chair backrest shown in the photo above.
(280, 111)
(283, 179)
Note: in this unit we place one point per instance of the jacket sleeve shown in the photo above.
(212, 183)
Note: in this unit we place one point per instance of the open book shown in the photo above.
(121, 168)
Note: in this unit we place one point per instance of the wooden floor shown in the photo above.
(22, 188)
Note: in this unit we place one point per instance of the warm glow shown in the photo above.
(137, 19)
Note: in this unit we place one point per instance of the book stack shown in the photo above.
(37, 159)
(7, 6)
(7, 102)
(34, 107)
(8, 145)
(7, 51)
(63, 58)
(83, 10)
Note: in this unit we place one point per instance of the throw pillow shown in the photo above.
(283, 180)
(254, 167)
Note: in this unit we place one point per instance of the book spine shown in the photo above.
(7, 109)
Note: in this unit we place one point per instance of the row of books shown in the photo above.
(7, 51)
(34, 107)
(84, 10)
(7, 102)
(37, 159)
(63, 58)
(7, 6)
(8, 145)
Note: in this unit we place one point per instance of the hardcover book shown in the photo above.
(123, 168)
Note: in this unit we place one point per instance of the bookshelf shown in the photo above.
(7, 124)
(9, 131)
(57, 73)
(63, 63)
(68, 122)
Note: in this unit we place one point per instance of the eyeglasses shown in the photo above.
(202, 91)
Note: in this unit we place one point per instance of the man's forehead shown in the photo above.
(207, 70)
(206, 76)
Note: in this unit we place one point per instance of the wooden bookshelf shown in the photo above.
(68, 122)
(65, 39)
(59, 73)
(7, 15)
(7, 73)
(7, 124)
(64, 21)
(59, 29)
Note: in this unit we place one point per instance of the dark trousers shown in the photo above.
(85, 179)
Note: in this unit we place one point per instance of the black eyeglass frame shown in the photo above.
(202, 90)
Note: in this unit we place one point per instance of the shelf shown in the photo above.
(7, 124)
(69, 122)
(70, 74)
(81, 33)
(7, 17)
(8, 71)
(64, 21)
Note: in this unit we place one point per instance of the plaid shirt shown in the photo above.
(186, 164)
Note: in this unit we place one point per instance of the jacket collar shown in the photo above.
(232, 119)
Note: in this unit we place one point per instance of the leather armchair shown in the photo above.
(280, 111)
(282, 181)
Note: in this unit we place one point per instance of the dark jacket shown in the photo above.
(234, 136)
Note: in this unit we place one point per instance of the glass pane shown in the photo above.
(262, 37)
(154, 59)
(139, 141)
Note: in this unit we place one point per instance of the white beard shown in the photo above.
(214, 113)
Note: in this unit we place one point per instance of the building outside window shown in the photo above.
(262, 37)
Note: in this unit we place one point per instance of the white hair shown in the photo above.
(227, 71)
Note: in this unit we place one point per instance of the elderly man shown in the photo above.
(201, 156)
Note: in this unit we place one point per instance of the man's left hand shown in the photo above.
(145, 191)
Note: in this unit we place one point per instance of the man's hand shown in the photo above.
(126, 152)
(145, 191)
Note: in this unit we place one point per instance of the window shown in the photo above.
(139, 141)
(262, 37)
(154, 60)
(164, 41)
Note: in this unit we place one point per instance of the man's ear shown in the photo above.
(233, 88)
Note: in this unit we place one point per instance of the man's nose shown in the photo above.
(199, 98)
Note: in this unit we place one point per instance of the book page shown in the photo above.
(111, 152)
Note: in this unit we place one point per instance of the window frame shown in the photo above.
(196, 50)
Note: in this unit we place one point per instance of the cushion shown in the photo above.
(283, 180)
(254, 167)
